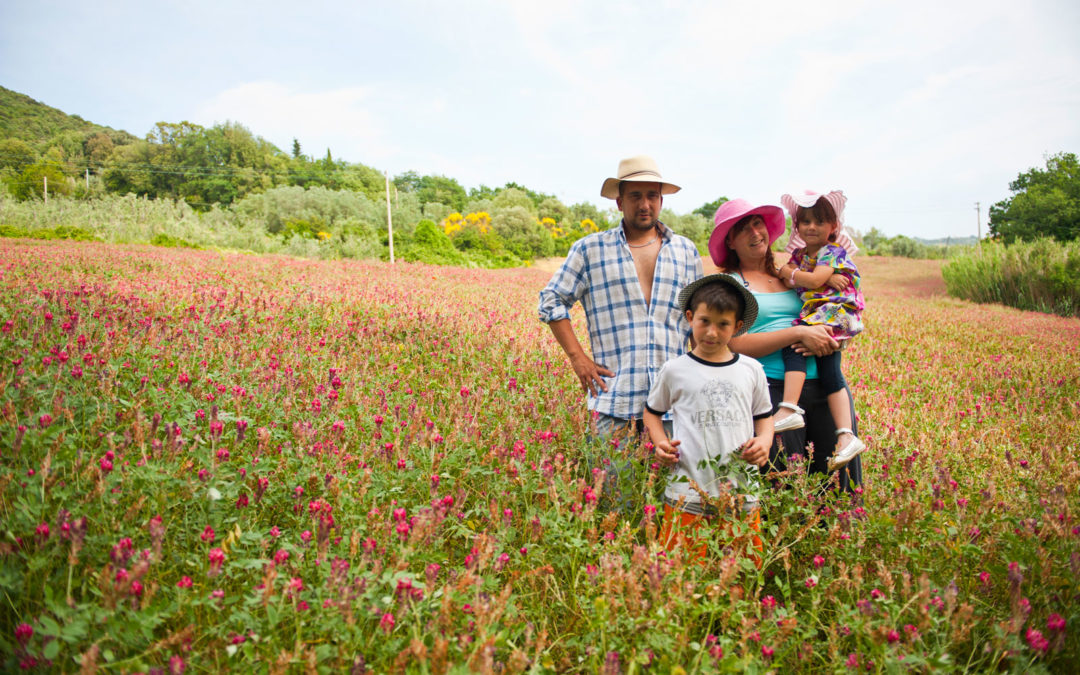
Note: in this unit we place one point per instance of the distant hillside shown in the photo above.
(39, 125)
(949, 241)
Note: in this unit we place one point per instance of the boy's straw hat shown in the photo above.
(640, 169)
(750, 306)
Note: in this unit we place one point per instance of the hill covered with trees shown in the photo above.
(245, 180)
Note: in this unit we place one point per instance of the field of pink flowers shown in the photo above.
(210, 461)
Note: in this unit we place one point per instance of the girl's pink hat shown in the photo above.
(808, 198)
(731, 212)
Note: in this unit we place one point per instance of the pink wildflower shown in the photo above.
(386, 623)
(23, 633)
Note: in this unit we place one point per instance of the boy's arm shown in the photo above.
(756, 450)
(667, 450)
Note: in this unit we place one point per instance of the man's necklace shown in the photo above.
(648, 243)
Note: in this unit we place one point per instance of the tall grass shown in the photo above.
(1043, 275)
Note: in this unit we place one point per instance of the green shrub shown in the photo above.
(167, 241)
(1042, 275)
(59, 232)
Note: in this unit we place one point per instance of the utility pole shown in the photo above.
(978, 220)
(389, 221)
(87, 179)
(45, 182)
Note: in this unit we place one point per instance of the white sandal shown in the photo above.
(847, 453)
(793, 421)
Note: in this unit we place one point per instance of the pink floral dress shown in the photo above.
(839, 310)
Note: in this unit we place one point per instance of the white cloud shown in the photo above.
(339, 119)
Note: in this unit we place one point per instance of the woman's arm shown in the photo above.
(816, 340)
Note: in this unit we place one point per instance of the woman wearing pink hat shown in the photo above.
(741, 245)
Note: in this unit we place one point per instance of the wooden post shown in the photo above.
(45, 180)
(389, 221)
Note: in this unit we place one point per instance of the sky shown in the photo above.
(916, 110)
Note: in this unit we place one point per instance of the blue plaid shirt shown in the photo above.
(626, 337)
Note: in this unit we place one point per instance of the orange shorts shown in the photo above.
(684, 530)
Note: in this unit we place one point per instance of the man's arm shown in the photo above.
(589, 373)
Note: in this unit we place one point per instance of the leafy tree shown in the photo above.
(709, 209)
(97, 148)
(296, 153)
(511, 197)
(1045, 203)
(15, 154)
(522, 233)
(30, 182)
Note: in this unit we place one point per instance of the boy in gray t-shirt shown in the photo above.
(720, 407)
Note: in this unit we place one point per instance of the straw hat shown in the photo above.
(731, 212)
(640, 169)
(750, 306)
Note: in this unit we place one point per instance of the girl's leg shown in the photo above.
(848, 445)
(794, 379)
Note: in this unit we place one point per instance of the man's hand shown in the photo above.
(838, 282)
(755, 451)
(667, 451)
(590, 374)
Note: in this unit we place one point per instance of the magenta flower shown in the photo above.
(818, 561)
(207, 534)
(386, 623)
(185, 582)
(23, 633)
(1055, 623)
(1036, 640)
(217, 559)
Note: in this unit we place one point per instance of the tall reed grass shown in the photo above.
(1042, 275)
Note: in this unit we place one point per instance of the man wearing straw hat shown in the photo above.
(627, 280)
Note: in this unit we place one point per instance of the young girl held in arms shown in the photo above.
(817, 220)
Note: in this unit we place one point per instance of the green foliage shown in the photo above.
(708, 210)
(514, 198)
(38, 125)
(1043, 275)
(1045, 203)
(693, 226)
(427, 189)
(521, 233)
(875, 242)
(65, 232)
(30, 182)
(429, 244)
(308, 229)
(15, 154)
(167, 241)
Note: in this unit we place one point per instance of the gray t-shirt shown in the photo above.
(713, 407)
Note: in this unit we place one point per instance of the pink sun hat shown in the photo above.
(731, 212)
(806, 199)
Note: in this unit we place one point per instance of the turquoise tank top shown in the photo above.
(776, 311)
